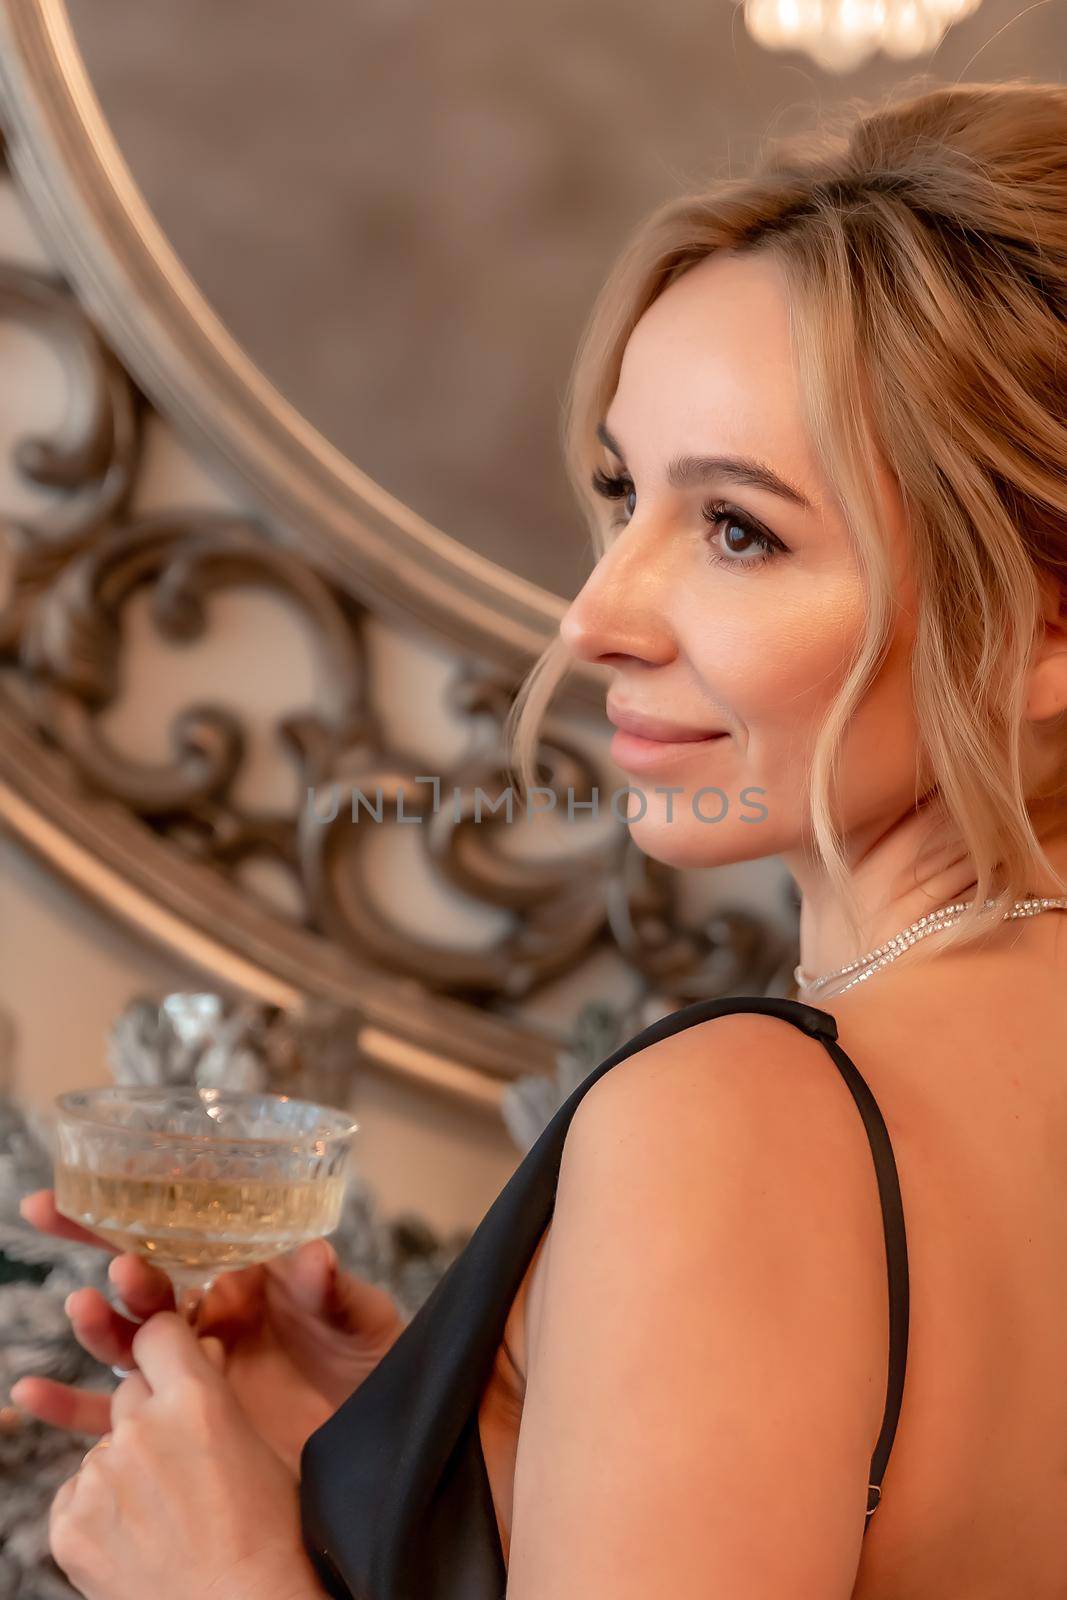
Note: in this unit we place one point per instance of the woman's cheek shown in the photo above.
(774, 670)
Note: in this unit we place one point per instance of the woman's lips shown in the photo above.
(647, 726)
(634, 753)
(642, 742)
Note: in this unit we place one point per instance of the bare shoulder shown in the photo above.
(735, 1139)
(740, 1113)
(742, 1076)
(709, 1316)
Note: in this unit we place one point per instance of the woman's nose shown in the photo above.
(622, 609)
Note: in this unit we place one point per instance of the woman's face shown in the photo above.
(731, 605)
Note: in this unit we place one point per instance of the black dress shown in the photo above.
(395, 1499)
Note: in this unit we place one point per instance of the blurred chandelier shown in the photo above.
(841, 34)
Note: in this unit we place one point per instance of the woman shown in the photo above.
(823, 413)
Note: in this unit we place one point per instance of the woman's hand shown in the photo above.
(183, 1497)
(300, 1335)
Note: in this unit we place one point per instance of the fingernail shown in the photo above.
(66, 1303)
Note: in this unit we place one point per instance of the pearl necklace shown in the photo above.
(880, 957)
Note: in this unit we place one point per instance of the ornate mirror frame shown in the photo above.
(159, 847)
(123, 271)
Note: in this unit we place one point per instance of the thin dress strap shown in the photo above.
(896, 1249)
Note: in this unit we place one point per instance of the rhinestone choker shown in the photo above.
(880, 957)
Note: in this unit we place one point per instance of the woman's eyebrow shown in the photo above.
(685, 472)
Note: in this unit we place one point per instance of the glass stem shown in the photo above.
(190, 1287)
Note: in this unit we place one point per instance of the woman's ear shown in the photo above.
(1047, 685)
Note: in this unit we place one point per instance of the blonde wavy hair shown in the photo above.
(924, 244)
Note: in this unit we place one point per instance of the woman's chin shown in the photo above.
(684, 842)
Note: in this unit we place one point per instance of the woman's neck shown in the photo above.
(899, 875)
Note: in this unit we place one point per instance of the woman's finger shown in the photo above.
(234, 1305)
(62, 1405)
(168, 1353)
(143, 1288)
(100, 1330)
(60, 1500)
(129, 1398)
(39, 1209)
(231, 1307)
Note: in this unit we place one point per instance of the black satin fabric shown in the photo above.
(395, 1500)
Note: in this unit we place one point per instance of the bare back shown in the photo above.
(965, 1057)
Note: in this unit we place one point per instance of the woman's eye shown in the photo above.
(735, 540)
(615, 487)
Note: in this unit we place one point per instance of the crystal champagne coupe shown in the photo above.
(200, 1181)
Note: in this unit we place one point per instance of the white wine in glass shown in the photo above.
(200, 1181)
